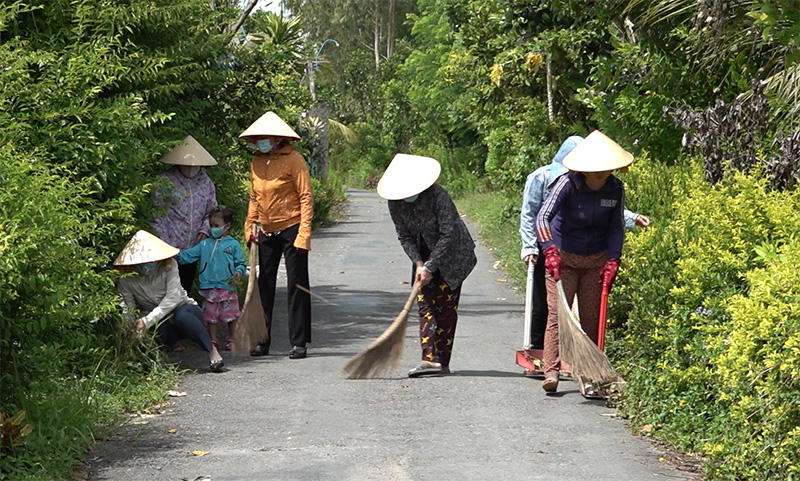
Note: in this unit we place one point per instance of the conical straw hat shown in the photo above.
(597, 153)
(145, 247)
(408, 175)
(271, 125)
(190, 152)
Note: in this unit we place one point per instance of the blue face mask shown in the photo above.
(264, 146)
(217, 232)
(145, 269)
(411, 199)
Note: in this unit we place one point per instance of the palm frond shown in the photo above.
(783, 85)
(348, 135)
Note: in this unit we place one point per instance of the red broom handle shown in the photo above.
(601, 328)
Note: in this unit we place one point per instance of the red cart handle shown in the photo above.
(601, 327)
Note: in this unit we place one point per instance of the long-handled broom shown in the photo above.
(384, 353)
(252, 324)
(585, 358)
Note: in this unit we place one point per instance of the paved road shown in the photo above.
(278, 419)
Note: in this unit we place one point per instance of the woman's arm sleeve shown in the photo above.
(407, 240)
(549, 209)
(128, 302)
(172, 299)
(447, 216)
(531, 204)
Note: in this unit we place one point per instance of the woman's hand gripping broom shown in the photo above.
(384, 353)
(252, 324)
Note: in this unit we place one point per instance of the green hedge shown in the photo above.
(707, 332)
(704, 320)
(92, 94)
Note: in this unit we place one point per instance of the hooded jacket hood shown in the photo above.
(556, 167)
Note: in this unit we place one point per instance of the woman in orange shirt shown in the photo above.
(282, 202)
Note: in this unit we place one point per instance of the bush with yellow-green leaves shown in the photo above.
(707, 320)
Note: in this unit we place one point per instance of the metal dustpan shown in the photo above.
(528, 358)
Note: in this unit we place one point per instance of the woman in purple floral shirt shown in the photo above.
(185, 202)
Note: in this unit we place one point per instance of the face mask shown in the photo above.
(264, 146)
(217, 232)
(189, 171)
(411, 199)
(145, 269)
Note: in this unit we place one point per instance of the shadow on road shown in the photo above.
(489, 373)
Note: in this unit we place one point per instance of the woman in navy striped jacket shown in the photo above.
(581, 230)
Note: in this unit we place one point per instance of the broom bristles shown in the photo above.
(252, 324)
(577, 349)
(383, 355)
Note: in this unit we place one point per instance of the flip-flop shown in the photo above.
(550, 383)
(424, 368)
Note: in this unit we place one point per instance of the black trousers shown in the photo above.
(538, 318)
(270, 250)
(186, 323)
(187, 272)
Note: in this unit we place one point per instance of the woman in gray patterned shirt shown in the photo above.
(438, 243)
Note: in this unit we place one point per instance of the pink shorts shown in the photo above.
(221, 305)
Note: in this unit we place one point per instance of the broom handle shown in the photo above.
(410, 301)
(601, 327)
(526, 335)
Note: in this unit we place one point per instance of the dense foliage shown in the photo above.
(92, 94)
(706, 95)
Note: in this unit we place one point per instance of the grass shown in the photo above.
(68, 412)
(497, 220)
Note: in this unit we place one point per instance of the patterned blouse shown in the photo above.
(432, 224)
(187, 207)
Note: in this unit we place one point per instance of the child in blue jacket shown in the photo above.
(221, 267)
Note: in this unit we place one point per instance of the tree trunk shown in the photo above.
(390, 30)
(312, 86)
(377, 34)
(322, 113)
(242, 18)
(549, 90)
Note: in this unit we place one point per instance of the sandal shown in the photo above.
(216, 366)
(229, 344)
(426, 367)
(550, 383)
(215, 342)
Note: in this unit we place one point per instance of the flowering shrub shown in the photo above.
(710, 343)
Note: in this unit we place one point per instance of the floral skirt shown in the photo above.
(221, 305)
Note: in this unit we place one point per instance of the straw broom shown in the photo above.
(252, 323)
(577, 349)
(383, 354)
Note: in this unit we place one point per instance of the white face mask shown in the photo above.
(189, 171)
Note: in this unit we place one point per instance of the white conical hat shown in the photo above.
(271, 125)
(597, 153)
(190, 152)
(408, 175)
(145, 247)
